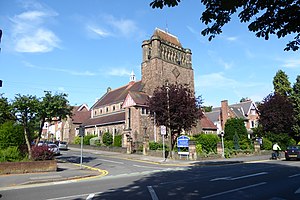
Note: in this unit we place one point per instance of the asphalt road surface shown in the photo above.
(127, 179)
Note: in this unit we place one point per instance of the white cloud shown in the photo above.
(124, 26)
(30, 34)
(219, 60)
(99, 31)
(292, 63)
(214, 80)
(119, 72)
(67, 71)
(231, 38)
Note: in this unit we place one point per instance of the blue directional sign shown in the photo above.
(183, 141)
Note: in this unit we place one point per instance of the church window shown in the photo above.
(95, 112)
(106, 109)
(114, 108)
(100, 111)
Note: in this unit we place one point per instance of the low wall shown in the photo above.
(28, 167)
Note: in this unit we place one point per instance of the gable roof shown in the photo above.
(80, 114)
(206, 123)
(213, 115)
(118, 95)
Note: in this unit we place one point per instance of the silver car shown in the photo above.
(63, 145)
(54, 148)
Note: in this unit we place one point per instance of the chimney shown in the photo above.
(224, 113)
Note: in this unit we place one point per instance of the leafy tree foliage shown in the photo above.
(208, 142)
(295, 98)
(276, 114)
(5, 110)
(235, 126)
(244, 99)
(207, 108)
(25, 110)
(282, 84)
(175, 107)
(11, 134)
(52, 107)
(280, 18)
(107, 139)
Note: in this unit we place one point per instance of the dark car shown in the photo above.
(292, 152)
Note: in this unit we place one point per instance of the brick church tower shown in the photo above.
(165, 60)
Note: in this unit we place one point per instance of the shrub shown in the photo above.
(246, 144)
(199, 149)
(86, 139)
(10, 154)
(107, 139)
(157, 146)
(208, 142)
(77, 140)
(42, 153)
(118, 141)
(266, 144)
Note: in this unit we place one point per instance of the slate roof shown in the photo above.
(139, 98)
(79, 114)
(213, 115)
(113, 118)
(119, 94)
(166, 37)
(206, 123)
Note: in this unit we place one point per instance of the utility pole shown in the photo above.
(169, 120)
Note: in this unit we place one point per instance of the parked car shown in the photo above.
(292, 152)
(54, 148)
(63, 145)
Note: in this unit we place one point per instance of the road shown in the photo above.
(128, 179)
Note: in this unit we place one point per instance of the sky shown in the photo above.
(83, 47)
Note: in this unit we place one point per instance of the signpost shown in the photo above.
(81, 135)
(183, 142)
(163, 132)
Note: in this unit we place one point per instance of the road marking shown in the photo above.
(247, 176)
(110, 161)
(294, 175)
(297, 191)
(44, 177)
(74, 196)
(234, 190)
(237, 178)
(147, 167)
(152, 193)
(90, 196)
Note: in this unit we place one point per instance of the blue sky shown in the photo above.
(83, 47)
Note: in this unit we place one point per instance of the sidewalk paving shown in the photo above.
(70, 171)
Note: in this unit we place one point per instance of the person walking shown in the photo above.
(276, 149)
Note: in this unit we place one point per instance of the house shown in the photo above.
(246, 110)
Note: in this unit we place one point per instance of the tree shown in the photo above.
(11, 134)
(52, 107)
(25, 109)
(207, 108)
(235, 126)
(244, 99)
(295, 98)
(282, 84)
(175, 107)
(276, 114)
(280, 18)
(5, 110)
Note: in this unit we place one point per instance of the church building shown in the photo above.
(124, 110)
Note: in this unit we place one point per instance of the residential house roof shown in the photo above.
(207, 124)
(80, 114)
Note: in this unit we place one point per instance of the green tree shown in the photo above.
(207, 108)
(25, 109)
(5, 110)
(282, 84)
(11, 134)
(235, 126)
(280, 18)
(107, 139)
(295, 98)
(52, 107)
(175, 107)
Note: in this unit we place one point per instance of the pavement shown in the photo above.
(73, 172)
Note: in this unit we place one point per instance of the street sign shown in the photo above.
(163, 130)
(81, 131)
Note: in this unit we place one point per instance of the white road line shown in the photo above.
(294, 175)
(234, 190)
(152, 193)
(297, 191)
(90, 196)
(142, 166)
(110, 161)
(247, 176)
(75, 196)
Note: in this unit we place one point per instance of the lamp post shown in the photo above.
(169, 121)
